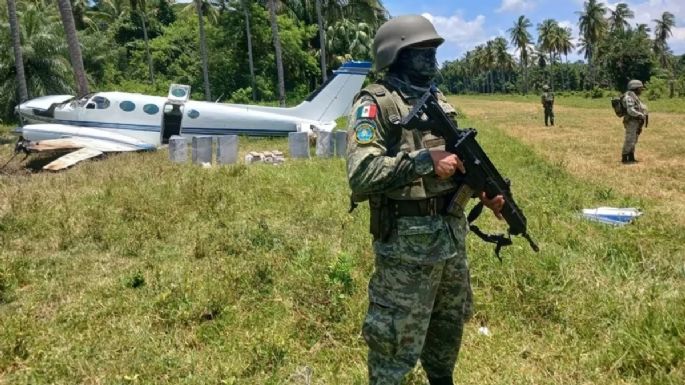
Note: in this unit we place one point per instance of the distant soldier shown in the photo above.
(547, 100)
(636, 116)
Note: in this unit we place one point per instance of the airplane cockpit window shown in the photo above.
(193, 114)
(101, 102)
(127, 106)
(81, 102)
(98, 102)
(150, 109)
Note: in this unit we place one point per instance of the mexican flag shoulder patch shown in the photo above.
(367, 111)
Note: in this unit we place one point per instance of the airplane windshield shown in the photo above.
(80, 102)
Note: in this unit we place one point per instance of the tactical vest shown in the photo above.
(641, 107)
(392, 108)
(548, 97)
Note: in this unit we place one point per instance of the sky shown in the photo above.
(465, 24)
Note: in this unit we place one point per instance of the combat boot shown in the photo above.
(440, 380)
(625, 159)
(631, 157)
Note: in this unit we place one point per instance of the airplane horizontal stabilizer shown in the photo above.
(71, 159)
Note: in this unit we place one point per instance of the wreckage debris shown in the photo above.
(273, 157)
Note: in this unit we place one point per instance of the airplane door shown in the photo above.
(171, 121)
(172, 113)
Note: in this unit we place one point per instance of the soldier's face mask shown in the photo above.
(419, 63)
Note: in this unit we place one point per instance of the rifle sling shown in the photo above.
(500, 240)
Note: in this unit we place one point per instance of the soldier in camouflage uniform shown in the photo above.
(634, 119)
(547, 100)
(420, 293)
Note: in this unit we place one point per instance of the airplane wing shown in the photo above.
(87, 142)
(71, 159)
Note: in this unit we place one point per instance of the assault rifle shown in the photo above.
(481, 174)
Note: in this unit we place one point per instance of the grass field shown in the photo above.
(133, 270)
(675, 105)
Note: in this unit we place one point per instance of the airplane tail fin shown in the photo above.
(334, 98)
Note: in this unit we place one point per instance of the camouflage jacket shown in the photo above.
(634, 107)
(383, 157)
(547, 99)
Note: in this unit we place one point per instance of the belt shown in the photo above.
(420, 208)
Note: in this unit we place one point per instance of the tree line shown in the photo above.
(228, 50)
(614, 50)
(273, 50)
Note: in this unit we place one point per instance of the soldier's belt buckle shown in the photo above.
(433, 206)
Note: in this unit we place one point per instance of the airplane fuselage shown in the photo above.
(146, 117)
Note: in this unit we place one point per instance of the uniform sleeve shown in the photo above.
(632, 107)
(369, 168)
(542, 99)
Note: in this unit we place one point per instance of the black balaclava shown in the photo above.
(417, 65)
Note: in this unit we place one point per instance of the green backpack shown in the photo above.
(617, 105)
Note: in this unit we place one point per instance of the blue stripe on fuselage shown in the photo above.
(184, 130)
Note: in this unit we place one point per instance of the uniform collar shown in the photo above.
(406, 89)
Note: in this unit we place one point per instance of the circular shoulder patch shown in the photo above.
(364, 132)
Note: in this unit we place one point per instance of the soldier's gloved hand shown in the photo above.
(495, 204)
(446, 164)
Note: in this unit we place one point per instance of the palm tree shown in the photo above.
(662, 32)
(564, 46)
(346, 40)
(16, 44)
(618, 20)
(203, 49)
(592, 26)
(44, 57)
(279, 55)
(109, 11)
(503, 60)
(548, 40)
(322, 40)
(521, 38)
(248, 33)
(74, 49)
(489, 59)
(141, 13)
(478, 65)
(643, 30)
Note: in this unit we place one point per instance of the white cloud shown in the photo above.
(515, 6)
(456, 29)
(460, 35)
(646, 11)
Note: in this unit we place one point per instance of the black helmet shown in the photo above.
(402, 32)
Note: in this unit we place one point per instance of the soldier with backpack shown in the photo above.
(547, 100)
(635, 117)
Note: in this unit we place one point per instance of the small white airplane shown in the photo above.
(118, 121)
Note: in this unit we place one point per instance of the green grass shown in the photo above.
(135, 270)
(675, 105)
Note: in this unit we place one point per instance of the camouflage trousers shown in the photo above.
(549, 115)
(632, 128)
(419, 298)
